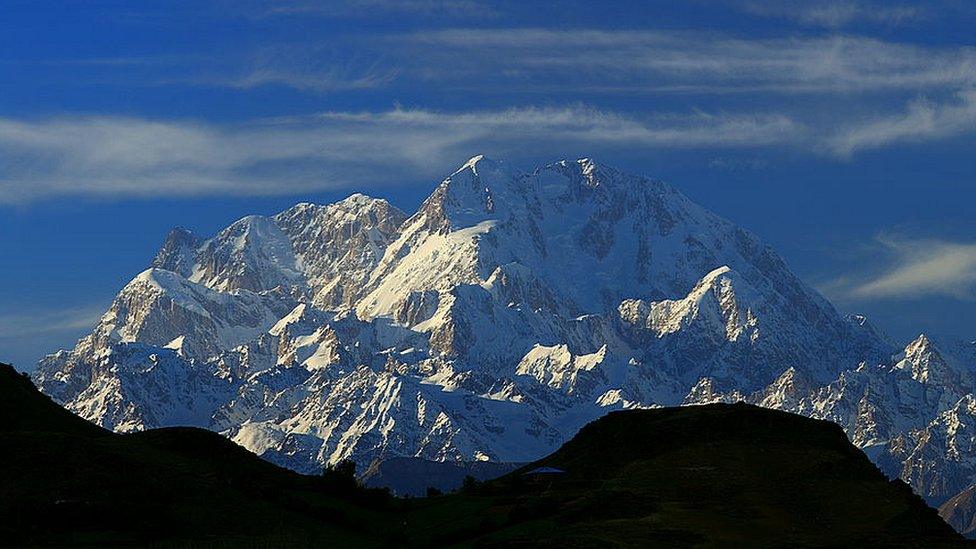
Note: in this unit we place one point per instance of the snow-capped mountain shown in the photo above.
(509, 310)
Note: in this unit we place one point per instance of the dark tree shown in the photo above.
(469, 484)
(341, 477)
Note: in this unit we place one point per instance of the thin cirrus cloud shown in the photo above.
(869, 72)
(838, 14)
(366, 8)
(125, 156)
(31, 331)
(118, 157)
(921, 121)
(918, 268)
(309, 68)
(110, 156)
(316, 69)
(38, 323)
(684, 61)
(575, 61)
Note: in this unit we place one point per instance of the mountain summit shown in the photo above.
(512, 308)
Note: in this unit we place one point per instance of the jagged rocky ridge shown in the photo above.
(508, 311)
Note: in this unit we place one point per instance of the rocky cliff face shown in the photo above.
(508, 311)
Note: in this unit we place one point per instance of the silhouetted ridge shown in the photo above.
(24, 408)
(717, 475)
(66, 481)
(647, 434)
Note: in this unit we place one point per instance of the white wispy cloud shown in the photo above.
(576, 61)
(116, 157)
(870, 74)
(922, 120)
(313, 68)
(125, 156)
(837, 14)
(917, 268)
(309, 68)
(133, 157)
(366, 8)
(683, 61)
(49, 321)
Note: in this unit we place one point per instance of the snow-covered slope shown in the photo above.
(509, 310)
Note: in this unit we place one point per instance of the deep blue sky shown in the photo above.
(842, 132)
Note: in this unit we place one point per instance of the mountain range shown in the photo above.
(512, 308)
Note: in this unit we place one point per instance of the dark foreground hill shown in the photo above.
(714, 475)
(65, 481)
(717, 475)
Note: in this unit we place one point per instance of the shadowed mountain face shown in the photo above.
(710, 475)
(960, 512)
